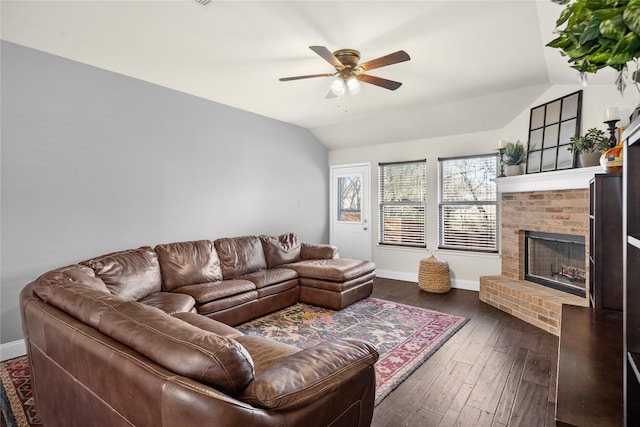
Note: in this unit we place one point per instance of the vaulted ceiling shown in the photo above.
(474, 64)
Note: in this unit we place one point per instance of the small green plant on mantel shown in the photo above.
(600, 34)
(514, 153)
(591, 142)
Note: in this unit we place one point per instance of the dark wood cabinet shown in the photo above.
(631, 270)
(605, 241)
(589, 388)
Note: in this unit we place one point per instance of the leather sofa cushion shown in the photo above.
(170, 302)
(208, 324)
(309, 373)
(264, 278)
(280, 250)
(76, 291)
(337, 286)
(318, 251)
(179, 346)
(265, 352)
(205, 292)
(334, 270)
(131, 274)
(240, 255)
(188, 263)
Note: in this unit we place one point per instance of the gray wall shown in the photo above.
(93, 162)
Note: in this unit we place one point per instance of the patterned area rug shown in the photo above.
(15, 394)
(406, 336)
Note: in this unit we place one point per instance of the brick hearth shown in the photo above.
(556, 211)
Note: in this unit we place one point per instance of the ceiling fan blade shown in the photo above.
(328, 56)
(383, 61)
(310, 76)
(379, 81)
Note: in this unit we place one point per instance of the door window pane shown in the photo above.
(349, 198)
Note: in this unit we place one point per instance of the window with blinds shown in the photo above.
(402, 198)
(468, 203)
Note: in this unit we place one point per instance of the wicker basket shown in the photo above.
(434, 275)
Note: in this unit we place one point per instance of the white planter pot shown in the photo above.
(590, 159)
(512, 170)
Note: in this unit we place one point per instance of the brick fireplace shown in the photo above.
(559, 204)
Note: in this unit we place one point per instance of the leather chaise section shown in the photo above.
(335, 270)
(337, 286)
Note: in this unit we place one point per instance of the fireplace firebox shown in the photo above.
(556, 261)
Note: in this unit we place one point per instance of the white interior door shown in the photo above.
(350, 230)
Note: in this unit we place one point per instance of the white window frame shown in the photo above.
(490, 204)
(410, 235)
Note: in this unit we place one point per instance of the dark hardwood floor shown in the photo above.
(496, 371)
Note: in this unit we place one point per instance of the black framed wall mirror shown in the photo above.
(551, 126)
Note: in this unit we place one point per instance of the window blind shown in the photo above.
(468, 203)
(402, 199)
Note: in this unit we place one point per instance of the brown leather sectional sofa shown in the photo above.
(144, 337)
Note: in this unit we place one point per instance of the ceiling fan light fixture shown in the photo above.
(353, 85)
(338, 86)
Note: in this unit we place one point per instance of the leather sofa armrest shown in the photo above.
(312, 372)
(318, 251)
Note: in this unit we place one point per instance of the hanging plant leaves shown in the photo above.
(561, 42)
(566, 13)
(601, 56)
(631, 17)
(605, 14)
(625, 50)
(592, 31)
(599, 34)
(613, 28)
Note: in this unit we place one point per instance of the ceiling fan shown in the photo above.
(349, 73)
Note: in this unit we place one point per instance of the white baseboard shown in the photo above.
(12, 350)
(469, 285)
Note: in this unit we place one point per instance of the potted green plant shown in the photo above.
(590, 146)
(600, 34)
(514, 155)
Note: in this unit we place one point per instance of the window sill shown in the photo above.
(448, 252)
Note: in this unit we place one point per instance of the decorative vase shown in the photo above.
(512, 170)
(590, 159)
(611, 160)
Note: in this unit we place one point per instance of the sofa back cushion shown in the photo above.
(280, 250)
(179, 346)
(188, 263)
(76, 291)
(131, 274)
(240, 255)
